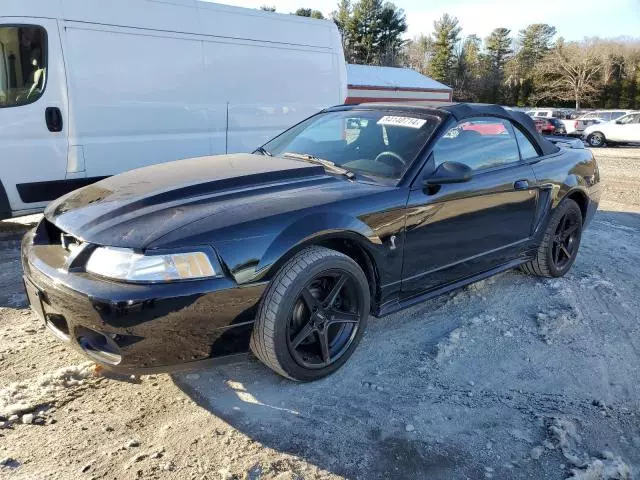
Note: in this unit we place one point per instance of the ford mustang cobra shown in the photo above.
(356, 211)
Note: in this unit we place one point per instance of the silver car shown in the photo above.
(625, 129)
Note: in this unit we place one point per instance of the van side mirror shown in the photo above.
(449, 172)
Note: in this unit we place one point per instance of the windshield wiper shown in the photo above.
(328, 164)
(263, 151)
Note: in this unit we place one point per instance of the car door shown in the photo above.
(459, 230)
(625, 129)
(634, 131)
(33, 112)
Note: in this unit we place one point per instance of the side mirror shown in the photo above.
(449, 172)
(618, 122)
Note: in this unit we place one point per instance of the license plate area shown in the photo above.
(34, 294)
(54, 322)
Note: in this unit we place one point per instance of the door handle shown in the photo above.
(521, 185)
(53, 117)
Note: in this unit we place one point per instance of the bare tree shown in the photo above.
(570, 72)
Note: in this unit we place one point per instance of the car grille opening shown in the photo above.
(56, 236)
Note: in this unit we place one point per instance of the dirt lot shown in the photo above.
(514, 377)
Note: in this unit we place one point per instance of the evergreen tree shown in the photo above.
(498, 47)
(342, 18)
(308, 12)
(364, 31)
(445, 38)
(393, 24)
(534, 41)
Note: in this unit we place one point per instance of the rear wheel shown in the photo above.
(596, 139)
(313, 315)
(559, 248)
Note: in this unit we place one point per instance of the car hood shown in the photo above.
(137, 207)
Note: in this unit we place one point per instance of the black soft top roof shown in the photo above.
(460, 111)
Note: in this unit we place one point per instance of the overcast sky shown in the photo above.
(574, 19)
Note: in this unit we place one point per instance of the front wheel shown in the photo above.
(559, 248)
(312, 316)
(596, 139)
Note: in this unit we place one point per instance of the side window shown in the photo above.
(527, 150)
(616, 115)
(23, 64)
(480, 143)
(628, 119)
(605, 117)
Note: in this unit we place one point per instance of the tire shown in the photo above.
(596, 139)
(546, 263)
(297, 302)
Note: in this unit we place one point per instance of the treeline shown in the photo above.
(533, 66)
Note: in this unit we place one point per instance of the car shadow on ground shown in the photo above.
(462, 386)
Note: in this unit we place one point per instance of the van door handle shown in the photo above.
(53, 117)
(521, 185)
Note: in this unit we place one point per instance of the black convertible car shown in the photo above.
(357, 210)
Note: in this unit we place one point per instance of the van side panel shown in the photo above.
(242, 23)
(149, 14)
(269, 88)
(31, 8)
(136, 99)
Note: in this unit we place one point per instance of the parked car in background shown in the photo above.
(544, 127)
(550, 126)
(558, 125)
(596, 117)
(546, 113)
(288, 251)
(625, 129)
(90, 88)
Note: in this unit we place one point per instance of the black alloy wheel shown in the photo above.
(566, 239)
(324, 320)
(559, 247)
(312, 314)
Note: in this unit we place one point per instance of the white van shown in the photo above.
(91, 88)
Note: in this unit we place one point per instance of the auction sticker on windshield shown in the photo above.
(408, 122)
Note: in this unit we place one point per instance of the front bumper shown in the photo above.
(132, 328)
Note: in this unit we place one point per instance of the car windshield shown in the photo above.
(371, 142)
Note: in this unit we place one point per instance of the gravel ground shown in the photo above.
(513, 377)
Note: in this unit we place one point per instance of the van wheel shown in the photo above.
(559, 248)
(596, 139)
(312, 316)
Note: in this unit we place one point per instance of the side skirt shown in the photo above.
(398, 305)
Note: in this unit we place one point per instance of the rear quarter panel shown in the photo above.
(570, 172)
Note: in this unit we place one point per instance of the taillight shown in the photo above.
(575, 125)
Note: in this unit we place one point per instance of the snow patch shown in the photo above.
(603, 469)
(551, 323)
(593, 282)
(26, 396)
(564, 434)
(451, 342)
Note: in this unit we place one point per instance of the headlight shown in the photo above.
(125, 264)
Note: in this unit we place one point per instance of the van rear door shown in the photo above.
(33, 115)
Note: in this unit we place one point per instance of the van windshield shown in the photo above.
(378, 143)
